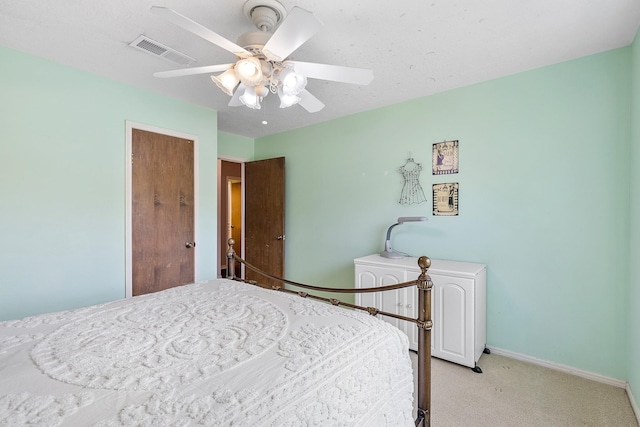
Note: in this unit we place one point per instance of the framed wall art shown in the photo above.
(445, 199)
(445, 157)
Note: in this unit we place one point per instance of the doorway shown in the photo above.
(234, 202)
(230, 210)
(262, 205)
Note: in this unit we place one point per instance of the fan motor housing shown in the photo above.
(264, 14)
(253, 39)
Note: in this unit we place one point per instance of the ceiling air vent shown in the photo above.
(145, 44)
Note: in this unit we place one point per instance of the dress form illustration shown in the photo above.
(411, 190)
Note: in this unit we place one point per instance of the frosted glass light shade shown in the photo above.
(292, 83)
(249, 71)
(261, 91)
(250, 99)
(287, 100)
(226, 81)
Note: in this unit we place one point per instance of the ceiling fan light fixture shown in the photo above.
(287, 100)
(249, 71)
(226, 81)
(261, 91)
(292, 83)
(250, 99)
(267, 69)
(261, 64)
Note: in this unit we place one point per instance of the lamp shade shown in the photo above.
(292, 83)
(250, 99)
(226, 81)
(287, 100)
(249, 71)
(261, 91)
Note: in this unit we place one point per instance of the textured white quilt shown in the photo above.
(216, 353)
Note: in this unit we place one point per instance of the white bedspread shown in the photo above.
(215, 353)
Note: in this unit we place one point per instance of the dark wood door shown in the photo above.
(162, 212)
(264, 218)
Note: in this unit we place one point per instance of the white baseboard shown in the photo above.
(559, 367)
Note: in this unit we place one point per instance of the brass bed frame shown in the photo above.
(423, 322)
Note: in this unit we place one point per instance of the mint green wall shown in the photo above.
(543, 201)
(634, 299)
(544, 195)
(62, 182)
(235, 146)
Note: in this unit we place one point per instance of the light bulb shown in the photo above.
(249, 71)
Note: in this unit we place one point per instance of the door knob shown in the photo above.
(281, 237)
(190, 245)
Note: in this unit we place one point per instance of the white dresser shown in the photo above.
(458, 303)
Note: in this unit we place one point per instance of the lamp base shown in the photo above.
(391, 254)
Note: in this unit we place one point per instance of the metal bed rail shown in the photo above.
(423, 322)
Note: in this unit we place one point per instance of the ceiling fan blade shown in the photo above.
(310, 102)
(298, 27)
(192, 71)
(235, 99)
(336, 73)
(199, 30)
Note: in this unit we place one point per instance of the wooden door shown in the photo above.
(162, 211)
(264, 218)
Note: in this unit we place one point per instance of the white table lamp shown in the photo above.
(390, 253)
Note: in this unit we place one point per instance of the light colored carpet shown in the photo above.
(511, 392)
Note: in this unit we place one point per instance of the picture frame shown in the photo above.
(445, 199)
(445, 157)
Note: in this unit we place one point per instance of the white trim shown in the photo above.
(635, 408)
(233, 159)
(559, 367)
(219, 211)
(128, 196)
(243, 202)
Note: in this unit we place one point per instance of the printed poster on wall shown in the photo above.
(445, 199)
(445, 157)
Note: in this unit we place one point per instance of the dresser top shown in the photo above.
(438, 266)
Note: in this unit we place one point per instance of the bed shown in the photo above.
(216, 353)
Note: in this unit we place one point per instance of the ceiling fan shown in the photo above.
(262, 57)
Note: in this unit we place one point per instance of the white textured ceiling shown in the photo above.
(414, 47)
